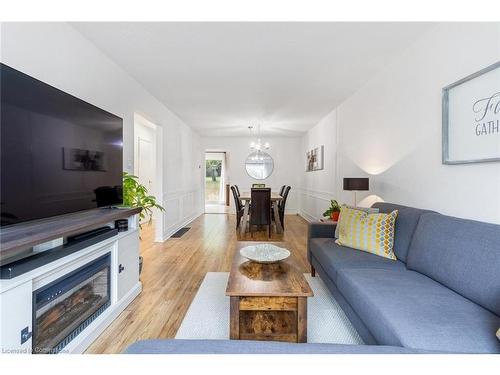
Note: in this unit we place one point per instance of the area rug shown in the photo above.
(208, 315)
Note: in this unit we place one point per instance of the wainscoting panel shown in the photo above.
(180, 209)
(312, 203)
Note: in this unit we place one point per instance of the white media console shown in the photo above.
(17, 293)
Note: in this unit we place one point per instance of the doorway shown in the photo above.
(145, 156)
(215, 183)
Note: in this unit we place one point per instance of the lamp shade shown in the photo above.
(356, 183)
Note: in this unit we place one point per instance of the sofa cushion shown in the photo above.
(462, 254)
(405, 226)
(402, 307)
(333, 257)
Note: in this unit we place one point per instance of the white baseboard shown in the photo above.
(92, 332)
(307, 216)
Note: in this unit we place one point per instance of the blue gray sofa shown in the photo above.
(443, 292)
(258, 347)
(441, 295)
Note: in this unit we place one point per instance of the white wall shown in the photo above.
(60, 56)
(317, 187)
(288, 166)
(390, 129)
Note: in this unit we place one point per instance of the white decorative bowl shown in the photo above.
(264, 253)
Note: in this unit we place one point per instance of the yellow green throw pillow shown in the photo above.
(373, 233)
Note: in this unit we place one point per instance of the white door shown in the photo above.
(146, 166)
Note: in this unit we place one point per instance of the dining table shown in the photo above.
(246, 197)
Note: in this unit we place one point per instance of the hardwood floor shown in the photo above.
(173, 271)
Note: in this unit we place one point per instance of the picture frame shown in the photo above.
(471, 118)
(315, 159)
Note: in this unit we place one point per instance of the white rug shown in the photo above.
(208, 315)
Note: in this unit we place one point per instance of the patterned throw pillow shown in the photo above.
(373, 233)
(369, 210)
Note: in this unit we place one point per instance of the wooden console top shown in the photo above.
(31, 233)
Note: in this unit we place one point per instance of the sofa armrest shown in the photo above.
(321, 230)
(318, 230)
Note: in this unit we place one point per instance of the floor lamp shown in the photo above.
(356, 184)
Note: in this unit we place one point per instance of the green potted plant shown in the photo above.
(333, 211)
(136, 195)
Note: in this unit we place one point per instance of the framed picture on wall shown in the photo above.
(471, 118)
(314, 159)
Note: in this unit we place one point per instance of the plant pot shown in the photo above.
(335, 216)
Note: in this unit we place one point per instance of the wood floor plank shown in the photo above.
(174, 270)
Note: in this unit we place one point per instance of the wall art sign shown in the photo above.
(471, 118)
(314, 159)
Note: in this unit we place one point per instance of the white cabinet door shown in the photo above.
(128, 263)
(16, 316)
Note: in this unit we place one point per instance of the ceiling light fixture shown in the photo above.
(258, 146)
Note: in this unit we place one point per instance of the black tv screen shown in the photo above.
(59, 154)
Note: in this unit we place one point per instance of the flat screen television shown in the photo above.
(59, 154)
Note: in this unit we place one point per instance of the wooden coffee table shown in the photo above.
(268, 301)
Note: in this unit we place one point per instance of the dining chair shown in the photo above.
(282, 205)
(282, 190)
(237, 190)
(238, 205)
(260, 209)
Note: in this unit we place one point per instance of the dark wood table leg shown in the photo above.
(301, 319)
(234, 318)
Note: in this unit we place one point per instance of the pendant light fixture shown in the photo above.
(258, 146)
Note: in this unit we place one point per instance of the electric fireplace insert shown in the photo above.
(65, 307)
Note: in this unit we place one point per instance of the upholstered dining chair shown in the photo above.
(282, 205)
(238, 205)
(260, 209)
